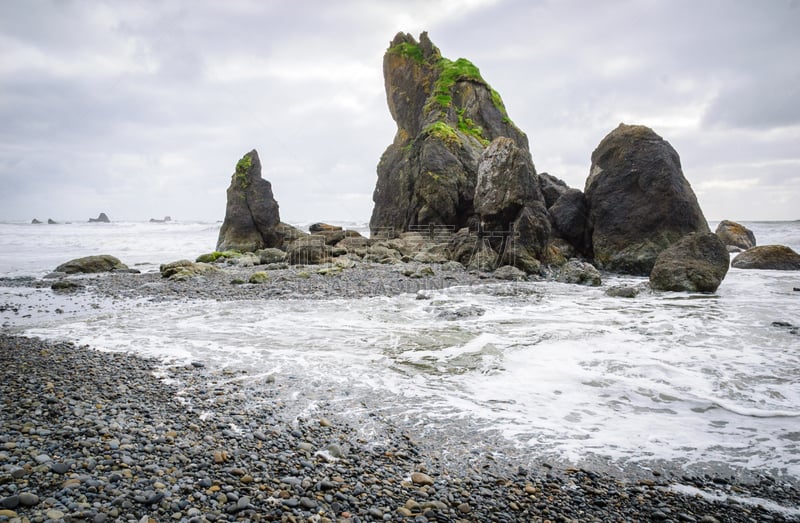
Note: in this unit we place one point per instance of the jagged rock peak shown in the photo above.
(252, 216)
(446, 115)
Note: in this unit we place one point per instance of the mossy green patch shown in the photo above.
(467, 126)
(443, 132)
(242, 167)
(408, 50)
(498, 103)
(211, 257)
(259, 277)
(452, 72)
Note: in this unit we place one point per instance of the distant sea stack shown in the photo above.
(252, 218)
(446, 116)
(101, 218)
(638, 199)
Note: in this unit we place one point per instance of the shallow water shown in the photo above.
(548, 369)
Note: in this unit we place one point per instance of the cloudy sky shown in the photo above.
(142, 108)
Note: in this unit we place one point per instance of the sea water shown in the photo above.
(541, 368)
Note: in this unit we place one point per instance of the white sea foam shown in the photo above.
(552, 367)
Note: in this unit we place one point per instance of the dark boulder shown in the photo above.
(101, 218)
(696, 263)
(736, 235)
(252, 218)
(92, 264)
(639, 201)
(35, 222)
(774, 257)
(552, 188)
(569, 215)
(446, 114)
(51, 221)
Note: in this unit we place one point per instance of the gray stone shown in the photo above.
(696, 263)
(639, 201)
(92, 264)
(578, 272)
(771, 257)
(735, 235)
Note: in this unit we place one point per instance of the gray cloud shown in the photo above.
(142, 108)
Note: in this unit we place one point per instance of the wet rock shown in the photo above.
(696, 263)
(770, 257)
(735, 235)
(91, 264)
(182, 270)
(579, 272)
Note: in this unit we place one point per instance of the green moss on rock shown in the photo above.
(443, 132)
(242, 167)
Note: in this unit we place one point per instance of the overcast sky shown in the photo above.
(142, 108)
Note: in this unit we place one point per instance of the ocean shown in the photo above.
(534, 371)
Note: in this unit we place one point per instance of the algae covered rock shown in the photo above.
(696, 263)
(735, 235)
(252, 218)
(184, 269)
(771, 257)
(446, 114)
(92, 264)
(639, 201)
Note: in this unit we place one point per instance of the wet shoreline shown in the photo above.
(211, 411)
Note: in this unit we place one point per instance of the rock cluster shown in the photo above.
(446, 115)
(458, 160)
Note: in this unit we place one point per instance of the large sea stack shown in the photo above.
(251, 215)
(446, 115)
(638, 199)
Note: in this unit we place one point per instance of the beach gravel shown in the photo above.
(95, 436)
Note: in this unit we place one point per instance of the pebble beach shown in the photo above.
(95, 436)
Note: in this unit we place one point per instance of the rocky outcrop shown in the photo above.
(639, 201)
(510, 206)
(36, 222)
(51, 221)
(166, 219)
(101, 218)
(92, 264)
(774, 257)
(736, 235)
(182, 270)
(569, 215)
(696, 263)
(580, 273)
(252, 219)
(446, 115)
(552, 188)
